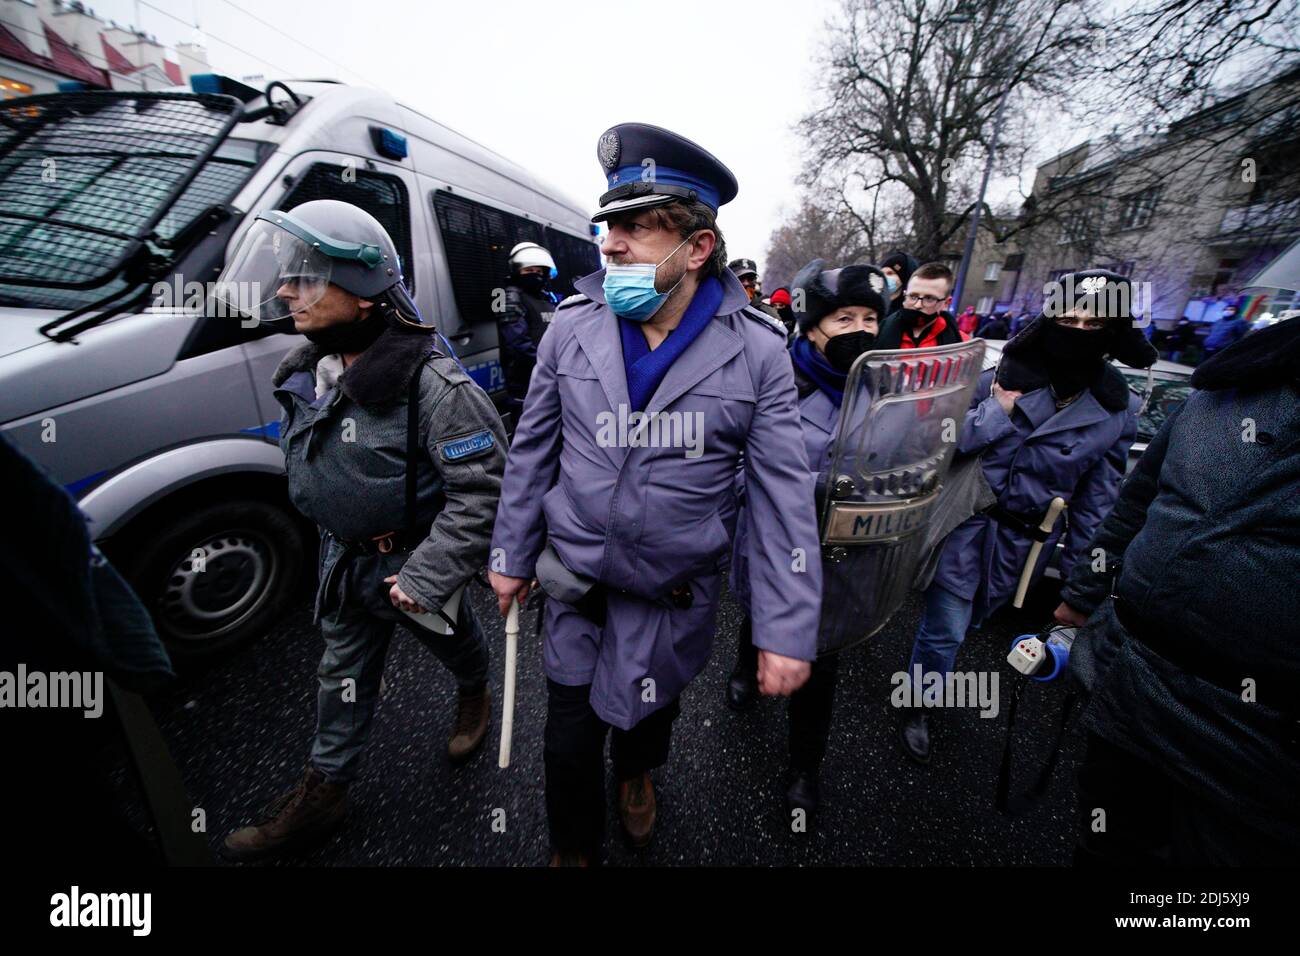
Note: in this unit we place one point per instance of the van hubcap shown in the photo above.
(217, 585)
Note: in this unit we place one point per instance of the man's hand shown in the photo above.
(1068, 615)
(401, 600)
(1005, 396)
(506, 588)
(781, 676)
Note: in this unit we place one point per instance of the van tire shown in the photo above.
(252, 566)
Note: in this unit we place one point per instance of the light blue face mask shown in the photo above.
(630, 290)
(891, 284)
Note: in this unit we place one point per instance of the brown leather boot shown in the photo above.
(310, 811)
(569, 858)
(636, 808)
(472, 710)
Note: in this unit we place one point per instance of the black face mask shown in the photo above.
(915, 319)
(532, 283)
(1074, 357)
(842, 350)
(349, 338)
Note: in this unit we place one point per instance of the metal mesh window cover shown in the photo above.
(216, 184)
(574, 258)
(379, 194)
(85, 177)
(478, 240)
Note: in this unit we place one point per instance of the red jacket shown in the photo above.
(932, 333)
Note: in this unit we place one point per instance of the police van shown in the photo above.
(135, 389)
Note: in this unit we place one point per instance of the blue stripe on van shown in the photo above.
(269, 430)
(488, 375)
(78, 486)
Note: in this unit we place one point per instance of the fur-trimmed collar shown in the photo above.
(379, 376)
(1262, 359)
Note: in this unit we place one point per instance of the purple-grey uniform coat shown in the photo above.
(644, 520)
(819, 418)
(1030, 457)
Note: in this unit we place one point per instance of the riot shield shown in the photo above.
(899, 426)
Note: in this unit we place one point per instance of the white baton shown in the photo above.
(1049, 522)
(508, 697)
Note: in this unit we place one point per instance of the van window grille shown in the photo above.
(379, 194)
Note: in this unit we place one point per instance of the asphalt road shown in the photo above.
(241, 729)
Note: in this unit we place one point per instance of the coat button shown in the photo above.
(1264, 438)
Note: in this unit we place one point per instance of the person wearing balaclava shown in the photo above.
(838, 313)
(528, 306)
(1054, 418)
(898, 267)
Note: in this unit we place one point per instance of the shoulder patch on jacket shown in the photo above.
(764, 319)
(468, 446)
(575, 299)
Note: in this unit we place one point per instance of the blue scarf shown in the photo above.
(813, 364)
(645, 368)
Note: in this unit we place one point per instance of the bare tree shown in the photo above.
(912, 89)
(1169, 58)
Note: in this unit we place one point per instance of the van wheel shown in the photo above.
(217, 576)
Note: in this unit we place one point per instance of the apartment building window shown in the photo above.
(1124, 268)
(992, 272)
(1138, 208)
(985, 305)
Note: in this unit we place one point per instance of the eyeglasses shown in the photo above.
(925, 300)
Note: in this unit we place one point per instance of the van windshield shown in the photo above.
(86, 176)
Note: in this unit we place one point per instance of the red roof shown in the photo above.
(116, 61)
(69, 62)
(63, 58)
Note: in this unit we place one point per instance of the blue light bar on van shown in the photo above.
(75, 86)
(216, 83)
(387, 143)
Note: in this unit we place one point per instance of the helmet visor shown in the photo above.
(272, 275)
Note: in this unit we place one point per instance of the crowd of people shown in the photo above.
(1176, 577)
(631, 540)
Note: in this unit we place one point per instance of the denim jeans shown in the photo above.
(943, 627)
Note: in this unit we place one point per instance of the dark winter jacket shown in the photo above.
(1194, 664)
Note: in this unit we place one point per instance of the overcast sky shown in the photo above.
(540, 82)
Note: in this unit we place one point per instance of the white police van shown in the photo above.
(122, 379)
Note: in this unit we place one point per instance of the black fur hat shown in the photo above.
(816, 292)
(1106, 295)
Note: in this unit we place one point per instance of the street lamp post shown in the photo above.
(969, 250)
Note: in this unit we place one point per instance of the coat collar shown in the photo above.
(819, 412)
(597, 333)
(1039, 406)
(379, 376)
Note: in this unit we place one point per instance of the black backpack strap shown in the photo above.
(412, 462)
(412, 444)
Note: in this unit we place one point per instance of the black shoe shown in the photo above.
(742, 688)
(803, 793)
(914, 733)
